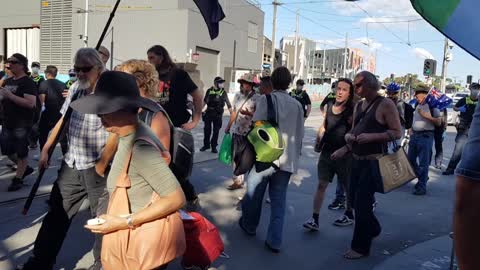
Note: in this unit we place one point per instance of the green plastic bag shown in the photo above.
(225, 154)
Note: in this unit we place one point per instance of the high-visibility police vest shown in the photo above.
(215, 102)
(469, 101)
(69, 83)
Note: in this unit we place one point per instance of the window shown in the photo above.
(252, 37)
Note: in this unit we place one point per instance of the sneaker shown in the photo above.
(343, 221)
(311, 225)
(374, 206)
(203, 149)
(16, 184)
(418, 192)
(448, 172)
(214, 150)
(12, 166)
(33, 146)
(29, 170)
(336, 205)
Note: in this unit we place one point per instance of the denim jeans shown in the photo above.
(277, 182)
(460, 140)
(420, 147)
(470, 164)
(340, 192)
(439, 136)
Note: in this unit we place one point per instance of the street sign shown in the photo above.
(429, 67)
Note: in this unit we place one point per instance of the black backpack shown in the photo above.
(182, 146)
(408, 114)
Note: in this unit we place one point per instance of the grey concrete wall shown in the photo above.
(26, 14)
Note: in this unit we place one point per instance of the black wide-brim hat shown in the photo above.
(114, 91)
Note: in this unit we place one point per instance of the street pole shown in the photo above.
(274, 24)
(323, 64)
(444, 65)
(345, 56)
(111, 51)
(85, 33)
(296, 46)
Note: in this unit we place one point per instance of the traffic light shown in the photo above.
(469, 79)
(429, 67)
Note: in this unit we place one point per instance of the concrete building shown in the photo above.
(298, 64)
(56, 28)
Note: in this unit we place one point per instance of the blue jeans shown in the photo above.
(340, 192)
(277, 182)
(420, 147)
(460, 140)
(470, 164)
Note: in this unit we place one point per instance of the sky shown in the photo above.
(329, 20)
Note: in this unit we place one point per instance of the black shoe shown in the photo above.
(16, 184)
(418, 192)
(448, 172)
(33, 264)
(336, 205)
(272, 249)
(33, 146)
(29, 170)
(214, 150)
(204, 148)
(244, 229)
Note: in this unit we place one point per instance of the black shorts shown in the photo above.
(15, 141)
(327, 168)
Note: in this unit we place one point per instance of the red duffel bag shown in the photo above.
(204, 244)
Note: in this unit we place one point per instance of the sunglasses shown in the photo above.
(83, 69)
(13, 62)
(72, 75)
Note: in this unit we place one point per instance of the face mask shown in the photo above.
(220, 85)
(35, 70)
(474, 93)
(299, 88)
(73, 78)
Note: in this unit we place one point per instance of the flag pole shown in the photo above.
(105, 29)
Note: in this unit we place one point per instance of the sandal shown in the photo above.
(235, 186)
(353, 255)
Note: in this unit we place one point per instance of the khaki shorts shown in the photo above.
(327, 168)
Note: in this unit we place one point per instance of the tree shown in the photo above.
(404, 80)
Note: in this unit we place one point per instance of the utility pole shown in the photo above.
(444, 65)
(345, 56)
(85, 33)
(111, 51)
(323, 64)
(296, 45)
(274, 23)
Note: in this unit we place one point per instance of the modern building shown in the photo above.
(316, 65)
(50, 31)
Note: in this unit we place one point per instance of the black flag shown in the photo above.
(212, 13)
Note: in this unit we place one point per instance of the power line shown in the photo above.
(355, 16)
(316, 22)
(386, 28)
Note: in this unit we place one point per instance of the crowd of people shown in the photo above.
(117, 147)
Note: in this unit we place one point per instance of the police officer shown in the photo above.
(73, 78)
(215, 99)
(37, 79)
(329, 98)
(301, 95)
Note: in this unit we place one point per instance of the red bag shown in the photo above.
(204, 244)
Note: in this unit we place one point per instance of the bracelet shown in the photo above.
(130, 222)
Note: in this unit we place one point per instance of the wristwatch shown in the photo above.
(130, 222)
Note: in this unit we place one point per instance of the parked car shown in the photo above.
(452, 116)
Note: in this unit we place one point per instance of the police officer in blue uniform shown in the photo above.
(215, 99)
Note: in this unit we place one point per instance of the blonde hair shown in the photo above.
(145, 74)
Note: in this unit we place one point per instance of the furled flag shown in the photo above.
(437, 99)
(212, 13)
(456, 19)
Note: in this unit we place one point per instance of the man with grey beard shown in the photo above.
(81, 175)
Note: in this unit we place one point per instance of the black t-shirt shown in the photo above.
(466, 117)
(52, 89)
(303, 98)
(336, 127)
(174, 88)
(17, 116)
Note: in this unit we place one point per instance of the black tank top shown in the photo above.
(335, 138)
(368, 124)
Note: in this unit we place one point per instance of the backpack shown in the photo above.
(408, 115)
(182, 146)
(267, 139)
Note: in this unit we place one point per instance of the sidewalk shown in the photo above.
(430, 255)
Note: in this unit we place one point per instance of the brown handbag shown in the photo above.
(144, 247)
